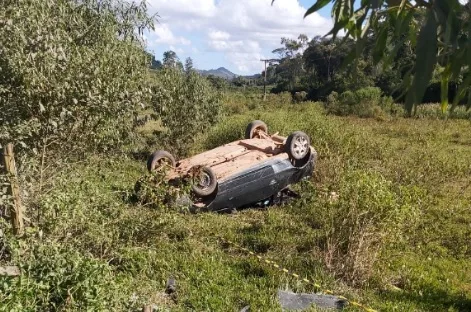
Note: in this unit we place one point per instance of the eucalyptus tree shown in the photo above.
(438, 31)
(72, 73)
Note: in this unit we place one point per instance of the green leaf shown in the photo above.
(378, 50)
(403, 22)
(405, 85)
(456, 64)
(316, 7)
(446, 12)
(337, 10)
(337, 26)
(367, 26)
(461, 92)
(426, 61)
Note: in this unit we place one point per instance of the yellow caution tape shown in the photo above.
(297, 276)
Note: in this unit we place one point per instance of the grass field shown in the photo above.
(397, 239)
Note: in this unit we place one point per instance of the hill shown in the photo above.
(225, 73)
(221, 72)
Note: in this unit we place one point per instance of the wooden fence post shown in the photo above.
(16, 210)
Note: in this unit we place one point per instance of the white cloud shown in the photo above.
(165, 35)
(246, 62)
(218, 35)
(257, 19)
(245, 55)
(168, 9)
(240, 29)
(176, 49)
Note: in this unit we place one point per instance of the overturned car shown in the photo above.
(242, 172)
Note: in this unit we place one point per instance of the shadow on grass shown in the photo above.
(432, 299)
(140, 155)
(127, 195)
(249, 269)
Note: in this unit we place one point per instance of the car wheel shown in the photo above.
(204, 182)
(159, 158)
(298, 145)
(252, 128)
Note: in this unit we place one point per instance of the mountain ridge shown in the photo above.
(224, 73)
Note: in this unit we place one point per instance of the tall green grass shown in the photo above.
(385, 220)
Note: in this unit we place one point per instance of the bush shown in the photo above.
(188, 105)
(235, 103)
(397, 110)
(154, 190)
(362, 219)
(300, 96)
(366, 102)
(71, 75)
(278, 100)
(239, 102)
(434, 111)
(228, 130)
(56, 277)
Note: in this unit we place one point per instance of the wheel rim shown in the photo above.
(204, 180)
(300, 146)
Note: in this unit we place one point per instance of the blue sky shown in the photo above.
(231, 33)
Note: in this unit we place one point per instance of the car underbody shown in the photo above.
(257, 183)
(243, 172)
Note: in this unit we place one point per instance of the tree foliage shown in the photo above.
(171, 60)
(439, 31)
(71, 73)
(315, 67)
(189, 65)
(188, 104)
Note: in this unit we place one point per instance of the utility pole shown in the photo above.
(271, 61)
(265, 80)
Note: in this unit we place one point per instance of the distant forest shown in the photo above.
(321, 66)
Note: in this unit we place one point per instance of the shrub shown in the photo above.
(154, 190)
(235, 103)
(188, 105)
(278, 100)
(229, 129)
(300, 96)
(233, 108)
(71, 74)
(397, 110)
(434, 111)
(362, 219)
(56, 277)
(366, 102)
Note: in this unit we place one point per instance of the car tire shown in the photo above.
(298, 145)
(205, 183)
(154, 160)
(254, 125)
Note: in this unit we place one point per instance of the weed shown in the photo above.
(384, 220)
